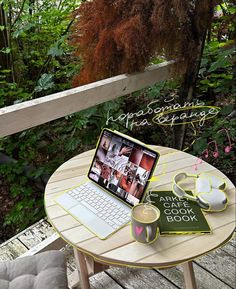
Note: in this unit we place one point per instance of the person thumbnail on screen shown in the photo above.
(117, 155)
(136, 189)
(130, 169)
(126, 182)
(105, 142)
(114, 180)
(142, 176)
(96, 170)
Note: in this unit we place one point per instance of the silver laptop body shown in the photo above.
(96, 209)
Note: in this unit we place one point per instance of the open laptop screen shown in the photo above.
(122, 166)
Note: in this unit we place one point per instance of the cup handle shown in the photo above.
(148, 233)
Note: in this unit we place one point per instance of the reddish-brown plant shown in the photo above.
(121, 36)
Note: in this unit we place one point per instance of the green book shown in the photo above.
(178, 216)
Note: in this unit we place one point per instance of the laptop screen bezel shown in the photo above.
(143, 146)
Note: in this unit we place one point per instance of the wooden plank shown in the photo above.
(53, 242)
(73, 280)
(123, 235)
(44, 229)
(205, 242)
(165, 170)
(31, 113)
(20, 243)
(56, 211)
(103, 281)
(77, 233)
(229, 249)
(204, 279)
(233, 241)
(51, 197)
(221, 264)
(72, 273)
(12, 250)
(66, 222)
(73, 276)
(139, 278)
(36, 235)
(41, 222)
(63, 185)
(30, 239)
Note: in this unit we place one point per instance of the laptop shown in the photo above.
(118, 178)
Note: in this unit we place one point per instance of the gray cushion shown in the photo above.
(46, 270)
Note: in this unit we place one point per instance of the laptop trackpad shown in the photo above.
(83, 214)
(91, 221)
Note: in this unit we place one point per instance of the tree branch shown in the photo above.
(19, 14)
(223, 10)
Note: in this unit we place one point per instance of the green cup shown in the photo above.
(144, 223)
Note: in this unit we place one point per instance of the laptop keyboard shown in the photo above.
(102, 205)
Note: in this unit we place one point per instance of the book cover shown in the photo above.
(178, 216)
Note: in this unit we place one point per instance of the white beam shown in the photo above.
(31, 113)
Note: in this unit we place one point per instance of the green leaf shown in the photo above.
(199, 145)
(55, 51)
(39, 172)
(202, 70)
(204, 62)
(72, 144)
(204, 81)
(17, 33)
(221, 62)
(6, 71)
(228, 52)
(226, 109)
(6, 50)
(45, 82)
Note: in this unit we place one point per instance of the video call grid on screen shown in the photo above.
(123, 167)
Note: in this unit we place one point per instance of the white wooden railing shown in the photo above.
(28, 114)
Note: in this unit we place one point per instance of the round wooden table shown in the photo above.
(93, 255)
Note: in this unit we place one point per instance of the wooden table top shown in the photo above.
(121, 248)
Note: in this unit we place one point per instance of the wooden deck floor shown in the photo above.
(213, 271)
(217, 270)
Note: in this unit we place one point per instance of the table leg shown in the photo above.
(82, 268)
(189, 277)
